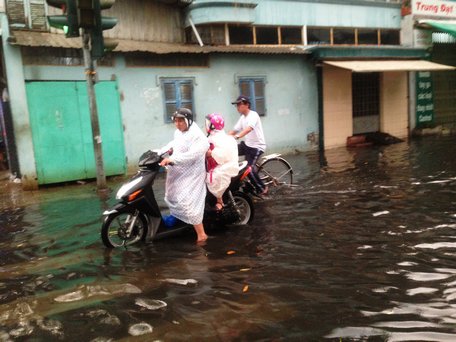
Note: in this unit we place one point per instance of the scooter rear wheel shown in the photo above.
(114, 231)
(245, 206)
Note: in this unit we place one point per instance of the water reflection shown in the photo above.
(361, 249)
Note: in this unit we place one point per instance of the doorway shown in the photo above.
(62, 134)
(366, 102)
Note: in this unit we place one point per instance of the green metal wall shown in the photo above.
(61, 130)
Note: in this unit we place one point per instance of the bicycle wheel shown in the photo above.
(275, 173)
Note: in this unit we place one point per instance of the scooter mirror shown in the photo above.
(148, 158)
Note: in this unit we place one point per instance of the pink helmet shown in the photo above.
(214, 121)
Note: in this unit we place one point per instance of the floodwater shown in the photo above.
(363, 248)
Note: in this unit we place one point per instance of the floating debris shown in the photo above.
(378, 213)
(140, 329)
(70, 297)
(231, 252)
(51, 325)
(97, 290)
(24, 329)
(102, 339)
(105, 317)
(151, 304)
(182, 281)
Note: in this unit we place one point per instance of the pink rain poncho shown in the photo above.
(225, 153)
(185, 182)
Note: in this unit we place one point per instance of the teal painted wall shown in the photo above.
(291, 97)
(311, 13)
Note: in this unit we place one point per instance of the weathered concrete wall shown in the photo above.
(394, 104)
(337, 106)
(291, 98)
(18, 103)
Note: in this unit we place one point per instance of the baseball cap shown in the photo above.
(241, 98)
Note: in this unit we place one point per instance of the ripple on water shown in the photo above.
(421, 290)
(424, 276)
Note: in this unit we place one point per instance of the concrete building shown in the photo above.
(318, 71)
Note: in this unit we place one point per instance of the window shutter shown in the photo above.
(178, 93)
(259, 97)
(16, 13)
(186, 96)
(170, 100)
(254, 89)
(245, 88)
(37, 15)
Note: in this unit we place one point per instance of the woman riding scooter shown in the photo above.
(185, 181)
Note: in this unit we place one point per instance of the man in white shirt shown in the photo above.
(249, 126)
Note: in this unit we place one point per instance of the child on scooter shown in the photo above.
(221, 158)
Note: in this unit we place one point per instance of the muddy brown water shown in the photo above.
(362, 248)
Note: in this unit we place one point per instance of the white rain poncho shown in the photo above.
(225, 153)
(185, 182)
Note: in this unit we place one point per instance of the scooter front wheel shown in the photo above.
(122, 229)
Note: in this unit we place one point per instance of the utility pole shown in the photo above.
(86, 16)
(96, 135)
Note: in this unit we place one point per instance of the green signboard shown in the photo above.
(424, 99)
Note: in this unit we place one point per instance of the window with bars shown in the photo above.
(177, 93)
(254, 87)
(366, 94)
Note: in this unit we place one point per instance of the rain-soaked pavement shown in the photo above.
(363, 248)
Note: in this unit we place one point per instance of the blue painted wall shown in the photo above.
(291, 97)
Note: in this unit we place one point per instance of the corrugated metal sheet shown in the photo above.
(383, 66)
(28, 38)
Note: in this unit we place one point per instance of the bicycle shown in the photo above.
(275, 172)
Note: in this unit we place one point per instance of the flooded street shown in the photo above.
(362, 248)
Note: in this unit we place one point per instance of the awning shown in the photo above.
(448, 26)
(366, 52)
(394, 65)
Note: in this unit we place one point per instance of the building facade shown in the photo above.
(291, 57)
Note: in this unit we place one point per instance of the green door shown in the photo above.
(61, 130)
